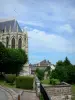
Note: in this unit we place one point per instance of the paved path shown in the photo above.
(25, 94)
(29, 96)
(3, 96)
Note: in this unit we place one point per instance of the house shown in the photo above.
(41, 65)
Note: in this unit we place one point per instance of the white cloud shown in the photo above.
(40, 41)
(66, 28)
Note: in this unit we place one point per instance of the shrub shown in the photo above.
(25, 82)
(54, 81)
(40, 73)
(10, 78)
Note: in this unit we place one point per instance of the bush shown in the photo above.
(40, 73)
(10, 78)
(24, 82)
(54, 81)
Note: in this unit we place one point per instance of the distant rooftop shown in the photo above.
(9, 23)
(42, 63)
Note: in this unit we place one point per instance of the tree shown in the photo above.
(3, 57)
(64, 71)
(11, 60)
(48, 69)
(66, 62)
(40, 73)
(59, 63)
(17, 58)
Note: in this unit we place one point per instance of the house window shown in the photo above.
(7, 42)
(20, 43)
(13, 43)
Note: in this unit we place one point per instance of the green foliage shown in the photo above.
(64, 71)
(54, 81)
(10, 78)
(46, 81)
(59, 63)
(41, 97)
(3, 57)
(66, 62)
(25, 82)
(12, 60)
(48, 69)
(40, 73)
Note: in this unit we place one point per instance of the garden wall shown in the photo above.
(59, 92)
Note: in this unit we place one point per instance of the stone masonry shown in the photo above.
(59, 92)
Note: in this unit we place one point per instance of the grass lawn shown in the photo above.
(46, 81)
(73, 91)
(3, 83)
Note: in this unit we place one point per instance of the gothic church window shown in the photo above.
(20, 43)
(7, 42)
(13, 43)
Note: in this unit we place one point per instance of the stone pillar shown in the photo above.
(10, 29)
(5, 29)
(26, 69)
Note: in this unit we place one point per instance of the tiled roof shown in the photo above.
(45, 63)
(42, 63)
(9, 22)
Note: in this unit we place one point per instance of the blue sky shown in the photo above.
(50, 25)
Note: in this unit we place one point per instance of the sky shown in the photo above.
(50, 25)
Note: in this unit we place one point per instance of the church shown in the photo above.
(12, 36)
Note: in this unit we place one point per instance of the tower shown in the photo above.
(13, 37)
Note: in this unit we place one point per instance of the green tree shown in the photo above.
(17, 58)
(3, 57)
(48, 69)
(12, 60)
(40, 73)
(59, 63)
(67, 62)
(64, 71)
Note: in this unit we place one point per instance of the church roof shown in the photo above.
(9, 22)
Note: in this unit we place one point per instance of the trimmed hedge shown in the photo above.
(54, 81)
(10, 78)
(24, 82)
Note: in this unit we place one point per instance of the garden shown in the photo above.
(11, 64)
(64, 72)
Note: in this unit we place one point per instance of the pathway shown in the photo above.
(3, 96)
(11, 94)
(29, 96)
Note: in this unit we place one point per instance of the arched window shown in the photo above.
(13, 43)
(7, 42)
(20, 43)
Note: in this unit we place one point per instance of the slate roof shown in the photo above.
(9, 22)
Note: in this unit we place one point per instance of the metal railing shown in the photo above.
(41, 89)
(44, 93)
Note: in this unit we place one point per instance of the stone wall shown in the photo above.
(59, 92)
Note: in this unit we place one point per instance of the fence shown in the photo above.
(40, 89)
(44, 93)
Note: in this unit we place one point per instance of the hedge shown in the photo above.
(24, 82)
(10, 78)
(54, 81)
